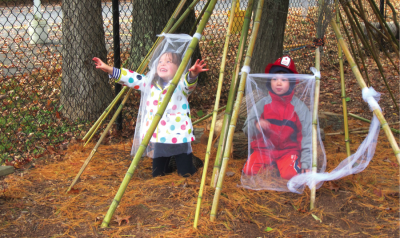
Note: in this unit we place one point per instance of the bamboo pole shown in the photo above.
(396, 23)
(231, 96)
(385, 26)
(193, 30)
(218, 189)
(343, 89)
(102, 116)
(366, 120)
(184, 15)
(341, 133)
(208, 115)
(142, 67)
(157, 117)
(362, 84)
(98, 143)
(360, 53)
(214, 118)
(315, 127)
(321, 4)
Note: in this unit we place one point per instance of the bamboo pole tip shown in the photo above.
(104, 225)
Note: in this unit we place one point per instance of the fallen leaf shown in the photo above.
(387, 160)
(121, 219)
(73, 191)
(378, 192)
(333, 186)
(230, 173)
(301, 210)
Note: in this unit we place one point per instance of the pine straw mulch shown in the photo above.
(35, 204)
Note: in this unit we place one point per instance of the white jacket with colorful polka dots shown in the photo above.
(175, 125)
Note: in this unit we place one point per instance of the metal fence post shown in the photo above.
(117, 53)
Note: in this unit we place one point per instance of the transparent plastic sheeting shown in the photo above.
(355, 163)
(279, 130)
(175, 126)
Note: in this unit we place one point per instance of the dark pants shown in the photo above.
(184, 164)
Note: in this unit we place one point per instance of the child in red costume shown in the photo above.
(284, 121)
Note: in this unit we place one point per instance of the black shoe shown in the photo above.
(197, 162)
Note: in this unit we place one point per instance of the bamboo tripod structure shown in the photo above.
(157, 116)
(214, 118)
(363, 85)
(141, 69)
(221, 76)
(231, 95)
(256, 25)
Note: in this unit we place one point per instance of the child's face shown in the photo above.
(280, 85)
(166, 69)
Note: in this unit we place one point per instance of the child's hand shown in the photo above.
(101, 65)
(303, 171)
(197, 68)
(264, 124)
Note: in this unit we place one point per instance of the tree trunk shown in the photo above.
(85, 91)
(269, 42)
(148, 20)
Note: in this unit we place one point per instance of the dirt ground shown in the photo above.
(33, 202)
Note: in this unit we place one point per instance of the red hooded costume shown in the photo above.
(282, 141)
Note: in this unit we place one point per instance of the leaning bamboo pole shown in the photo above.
(369, 121)
(158, 115)
(343, 89)
(214, 118)
(207, 116)
(384, 26)
(362, 84)
(218, 189)
(231, 96)
(119, 109)
(360, 53)
(193, 30)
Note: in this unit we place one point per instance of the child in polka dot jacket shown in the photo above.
(174, 133)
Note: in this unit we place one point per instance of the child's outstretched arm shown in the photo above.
(197, 68)
(103, 66)
(122, 76)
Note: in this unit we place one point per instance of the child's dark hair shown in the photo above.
(291, 83)
(175, 58)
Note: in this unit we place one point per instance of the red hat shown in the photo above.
(285, 64)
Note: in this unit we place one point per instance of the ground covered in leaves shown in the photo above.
(33, 202)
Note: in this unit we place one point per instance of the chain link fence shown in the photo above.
(46, 51)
